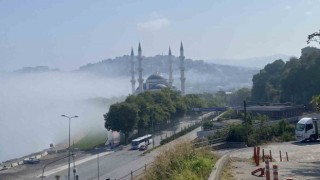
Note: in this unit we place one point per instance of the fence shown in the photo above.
(135, 172)
(209, 143)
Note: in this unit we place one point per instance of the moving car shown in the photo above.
(31, 160)
(143, 147)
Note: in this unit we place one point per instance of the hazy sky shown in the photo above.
(67, 34)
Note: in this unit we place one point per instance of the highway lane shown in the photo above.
(117, 164)
(114, 165)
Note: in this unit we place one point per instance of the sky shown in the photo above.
(67, 34)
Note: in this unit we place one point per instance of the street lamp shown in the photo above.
(69, 117)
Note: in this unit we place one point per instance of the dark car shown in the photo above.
(31, 160)
(143, 147)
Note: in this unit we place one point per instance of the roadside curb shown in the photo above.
(218, 167)
(16, 162)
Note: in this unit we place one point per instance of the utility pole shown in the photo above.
(245, 119)
(98, 166)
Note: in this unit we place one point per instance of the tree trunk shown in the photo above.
(126, 138)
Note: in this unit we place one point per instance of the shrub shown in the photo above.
(236, 133)
(182, 162)
(287, 136)
(208, 125)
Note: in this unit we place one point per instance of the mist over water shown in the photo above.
(32, 104)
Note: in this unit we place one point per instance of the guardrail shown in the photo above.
(135, 172)
(209, 143)
(17, 162)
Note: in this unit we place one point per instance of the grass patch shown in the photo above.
(227, 172)
(182, 162)
(91, 140)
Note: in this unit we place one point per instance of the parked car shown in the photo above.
(143, 147)
(31, 160)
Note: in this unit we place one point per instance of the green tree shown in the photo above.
(122, 117)
(266, 84)
(314, 37)
(239, 96)
(315, 102)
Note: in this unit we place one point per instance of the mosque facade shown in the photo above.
(156, 82)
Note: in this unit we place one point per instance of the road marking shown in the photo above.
(64, 167)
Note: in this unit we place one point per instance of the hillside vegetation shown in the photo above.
(201, 76)
(294, 81)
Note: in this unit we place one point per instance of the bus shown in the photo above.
(144, 140)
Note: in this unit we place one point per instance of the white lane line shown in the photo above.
(61, 168)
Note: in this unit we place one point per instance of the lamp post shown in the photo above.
(69, 117)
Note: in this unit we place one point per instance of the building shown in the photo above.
(156, 81)
(274, 112)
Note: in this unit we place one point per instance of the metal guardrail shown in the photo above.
(135, 172)
(209, 143)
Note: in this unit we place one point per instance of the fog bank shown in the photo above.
(32, 104)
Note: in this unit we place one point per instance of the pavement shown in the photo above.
(304, 160)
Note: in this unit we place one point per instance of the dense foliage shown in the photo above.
(258, 132)
(294, 81)
(149, 110)
(121, 117)
(182, 162)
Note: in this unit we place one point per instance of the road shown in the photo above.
(113, 164)
(120, 163)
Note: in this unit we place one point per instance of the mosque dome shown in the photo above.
(155, 77)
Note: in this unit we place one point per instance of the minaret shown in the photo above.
(140, 80)
(170, 69)
(133, 80)
(182, 78)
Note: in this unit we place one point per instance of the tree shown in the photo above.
(266, 84)
(239, 96)
(122, 117)
(314, 37)
(315, 102)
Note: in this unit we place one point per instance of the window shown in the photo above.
(309, 126)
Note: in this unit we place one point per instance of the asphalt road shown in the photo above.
(114, 164)
(119, 163)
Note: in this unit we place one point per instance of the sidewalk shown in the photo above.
(303, 161)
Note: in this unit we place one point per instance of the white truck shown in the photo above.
(307, 128)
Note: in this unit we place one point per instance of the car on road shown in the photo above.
(143, 147)
(31, 160)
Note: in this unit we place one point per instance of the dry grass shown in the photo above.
(227, 172)
(182, 162)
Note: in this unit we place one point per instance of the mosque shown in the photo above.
(156, 82)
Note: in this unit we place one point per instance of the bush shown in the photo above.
(287, 136)
(261, 132)
(208, 125)
(229, 114)
(182, 162)
(236, 133)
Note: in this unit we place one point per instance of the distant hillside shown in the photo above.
(35, 69)
(201, 76)
(256, 62)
